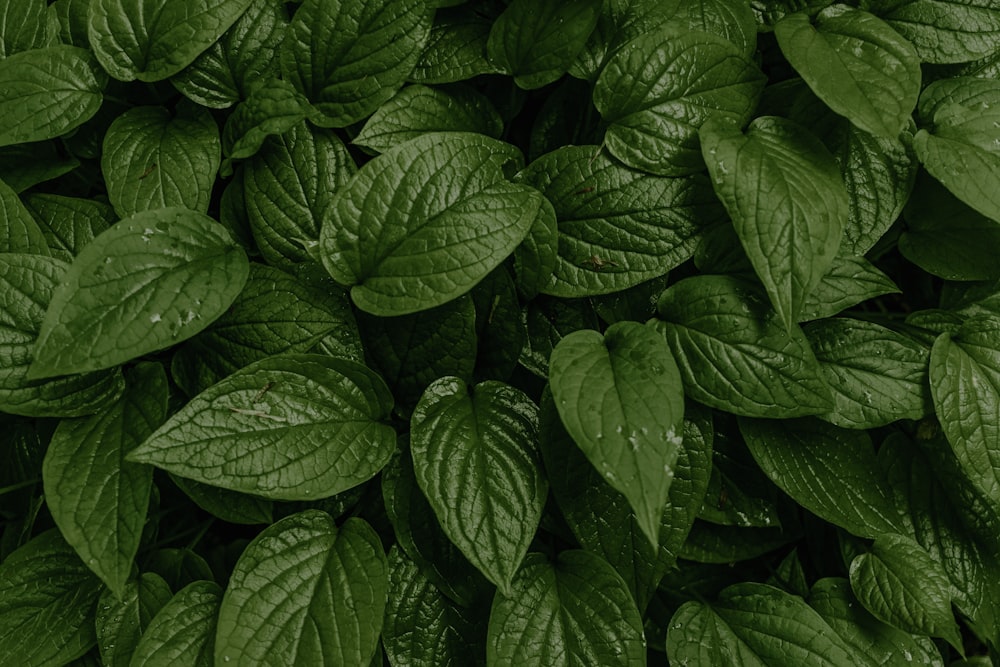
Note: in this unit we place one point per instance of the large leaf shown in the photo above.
(832, 472)
(658, 89)
(26, 25)
(756, 626)
(27, 283)
(285, 186)
(183, 633)
(965, 384)
(289, 427)
(147, 283)
(152, 159)
(475, 455)
(47, 92)
(735, 355)
(875, 374)
(97, 499)
(424, 222)
(18, 230)
(788, 203)
(349, 56)
(944, 31)
(617, 227)
(858, 65)
(305, 591)
(122, 618)
(900, 584)
(47, 602)
(620, 397)
(574, 611)
(153, 40)
(537, 42)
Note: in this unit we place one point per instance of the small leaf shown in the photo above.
(900, 584)
(305, 591)
(455, 48)
(150, 281)
(19, 233)
(442, 219)
(69, 223)
(788, 203)
(230, 506)
(47, 93)
(620, 398)
(289, 427)
(575, 611)
(183, 632)
(121, 622)
(848, 282)
(658, 89)
(475, 456)
(272, 107)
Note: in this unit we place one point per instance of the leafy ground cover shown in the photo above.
(430, 332)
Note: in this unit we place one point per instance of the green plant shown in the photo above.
(434, 332)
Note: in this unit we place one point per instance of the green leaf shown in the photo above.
(601, 518)
(856, 63)
(536, 257)
(26, 25)
(150, 281)
(618, 22)
(47, 601)
(422, 627)
(247, 53)
(286, 184)
(455, 48)
(412, 351)
(500, 329)
(475, 455)
(965, 384)
(151, 41)
(178, 567)
(788, 203)
(23, 166)
(290, 427)
(549, 320)
(417, 109)
(733, 20)
(835, 602)
(275, 313)
(27, 284)
(537, 42)
(900, 584)
(183, 633)
(349, 56)
(97, 499)
(944, 31)
(230, 506)
(721, 544)
(756, 625)
(603, 246)
(152, 159)
(69, 223)
(272, 107)
(876, 375)
(424, 222)
(305, 591)
(958, 145)
(47, 93)
(121, 622)
(574, 611)
(19, 233)
(830, 471)
(620, 398)
(735, 355)
(658, 89)
(946, 238)
(848, 282)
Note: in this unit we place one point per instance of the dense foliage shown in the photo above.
(431, 332)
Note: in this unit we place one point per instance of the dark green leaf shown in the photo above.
(848, 282)
(123, 617)
(23, 166)
(944, 31)
(230, 506)
(455, 48)
(69, 223)
(271, 107)
(183, 633)
(19, 233)
(26, 25)
(547, 321)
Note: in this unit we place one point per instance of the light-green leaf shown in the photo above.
(944, 31)
(97, 499)
(621, 399)
(574, 611)
(424, 222)
(349, 56)
(784, 192)
(153, 40)
(155, 159)
(658, 89)
(856, 63)
(617, 226)
(537, 42)
(475, 454)
(305, 591)
(289, 427)
(47, 92)
(147, 283)
(183, 632)
(735, 355)
(900, 584)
